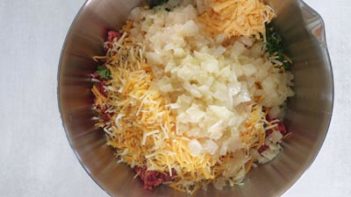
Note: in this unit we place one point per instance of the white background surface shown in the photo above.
(35, 157)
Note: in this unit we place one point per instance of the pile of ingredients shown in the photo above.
(192, 93)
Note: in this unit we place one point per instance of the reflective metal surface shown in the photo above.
(308, 113)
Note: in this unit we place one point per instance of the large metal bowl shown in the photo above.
(308, 113)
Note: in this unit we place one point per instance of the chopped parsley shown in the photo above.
(103, 72)
(275, 47)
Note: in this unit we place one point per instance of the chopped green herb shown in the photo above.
(275, 47)
(103, 72)
(154, 3)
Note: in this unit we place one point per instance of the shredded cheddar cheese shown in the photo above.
(235, 18)
(253, 132)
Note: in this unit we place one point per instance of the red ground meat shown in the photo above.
(106, 117)
(262, 148)
(152, 179)
(100, 87)
(269, 132)
(111, 35)
(282, 128)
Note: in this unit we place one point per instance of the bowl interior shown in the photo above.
(308, 113)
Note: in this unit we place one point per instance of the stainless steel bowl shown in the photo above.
(308, 113)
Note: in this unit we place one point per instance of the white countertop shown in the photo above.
(35, 157)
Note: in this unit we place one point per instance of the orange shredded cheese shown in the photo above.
(236, 17)
(100, 99)
(253, 132)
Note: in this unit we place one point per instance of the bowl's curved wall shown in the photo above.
(308, 113)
